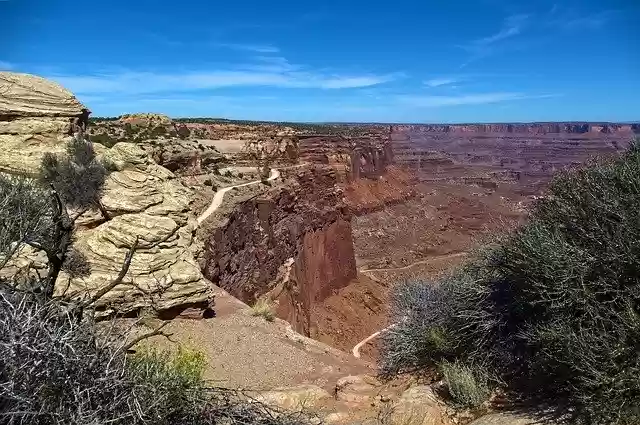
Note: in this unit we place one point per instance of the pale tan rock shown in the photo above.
(22, 154)
(505, 419)
(419, 406)
(37, 116)
(298, 398)
(28, 95)
(163, 273)
(141, 185)
(36, 125)
(145, 119)
(358, 389)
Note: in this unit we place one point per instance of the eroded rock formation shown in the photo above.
(363, 157)
(36, 116)
(524, 128)
(293, 243)
(145, 201)
(161, 138)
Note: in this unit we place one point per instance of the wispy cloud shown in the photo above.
(256, 48)
(273, 73)
(6, 66)
(512, 26)
(570, 19)
(438, 82)
(467, 99)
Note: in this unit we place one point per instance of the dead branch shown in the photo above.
(157, 331)
(118, 280)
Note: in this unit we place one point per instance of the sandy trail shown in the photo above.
(218, 197)
(358, 346)
(395, 269)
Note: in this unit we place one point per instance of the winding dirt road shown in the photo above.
(395, 269)
(356, 349)
(218, 197)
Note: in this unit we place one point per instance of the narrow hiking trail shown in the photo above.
(395, 269)
(219, 196)
(356, 349)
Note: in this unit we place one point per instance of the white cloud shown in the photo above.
(512, 26)
(275, 72)
(468, 99)
(482, 47)
(437, 82)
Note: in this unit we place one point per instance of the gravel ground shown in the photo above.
(247, 352)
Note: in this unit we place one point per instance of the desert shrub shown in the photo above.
(26, 210)
(56, 368)
(183, 132)
(105, 139)
(467, 385)
(263, 308)
(554, 309)
(78, 177)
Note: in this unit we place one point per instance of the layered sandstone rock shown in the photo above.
(161, 138)
(363, 157)
(524, 128)
(419, 406)
(293, 243)
(147, 202)
(36, 116)
(145, 120)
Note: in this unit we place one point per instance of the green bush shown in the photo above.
(554, 309)
(467, 385)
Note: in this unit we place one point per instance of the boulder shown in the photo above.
(419, 406)
(357, 389)
(25, 95)
(36, 116)
(140, 185)
(163, 274)
(145, 201)
(298, 398)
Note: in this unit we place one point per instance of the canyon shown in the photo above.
(319, 222)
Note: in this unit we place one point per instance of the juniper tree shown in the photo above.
(78, 177)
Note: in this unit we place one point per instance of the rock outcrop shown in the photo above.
(362, 157)
(36, 116)
(161, 138)
(147, 202)
(293, 244)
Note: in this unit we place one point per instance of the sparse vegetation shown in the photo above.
(467, 385)
(77, 177)
(263, 307)
(552, 310)
(58, 367)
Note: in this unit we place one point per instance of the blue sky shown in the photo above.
(349, 60)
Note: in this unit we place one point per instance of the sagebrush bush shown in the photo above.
(467, 385)
(263, 308)
(78, 177)
(56, 368)
(553, 309)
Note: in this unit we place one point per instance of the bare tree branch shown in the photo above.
(157, 331)
(118, 280)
